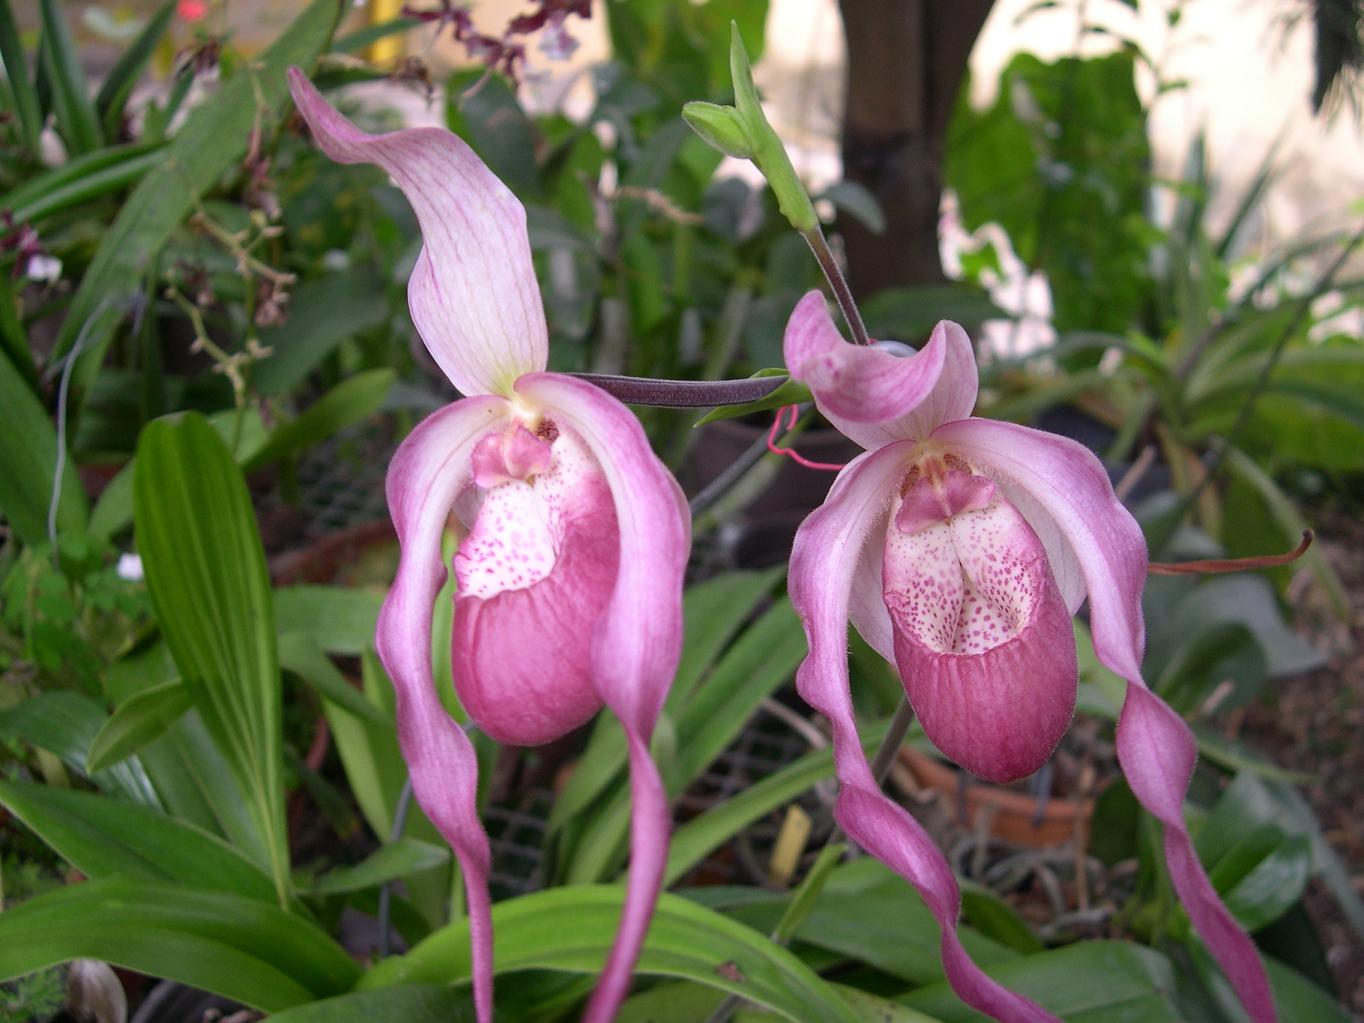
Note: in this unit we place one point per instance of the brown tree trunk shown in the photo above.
(906, 61)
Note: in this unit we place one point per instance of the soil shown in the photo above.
(1314, 723)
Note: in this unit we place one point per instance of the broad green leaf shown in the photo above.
(65, 723)
(1263, 875)
(106, 837)
(137, 722)
(338, 619)
(572, 929)
(213, 139)
(425, 1003)
(70, 93)
(28, 462)
(197, 786)
(206, 576)
(20, 79)
(1299, 1000)
(388, 863)
(1135, 985)
(346, 403)
(369, 751)
(867, 914)
(1252, 799)
(237, 947)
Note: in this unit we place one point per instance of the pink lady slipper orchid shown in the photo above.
(569, 576)
(959, 548)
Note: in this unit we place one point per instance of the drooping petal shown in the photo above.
(473, 293)
(1093, 544)
(535, 573)
(983, 640)
(824, 564)
(872, 396)
(429, 469)
(1060, 487)
(638, 637)
(1157, 752)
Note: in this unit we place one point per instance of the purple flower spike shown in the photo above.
(959, 548)
(569, 575)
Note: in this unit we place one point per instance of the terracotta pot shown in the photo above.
(1013, 816)
(326, 561)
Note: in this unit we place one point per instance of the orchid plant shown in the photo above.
(569, 575)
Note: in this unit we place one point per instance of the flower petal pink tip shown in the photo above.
(959, 548)
(569, 574)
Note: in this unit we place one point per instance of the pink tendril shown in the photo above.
(791, 453)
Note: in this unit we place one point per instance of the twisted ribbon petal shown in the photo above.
(637, 640)
(1062, 490)
(429, 469)
(824, 563)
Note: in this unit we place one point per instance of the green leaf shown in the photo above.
(388, 863)
(719, 126)
(572, 929)
(118, 86)
(206, 576)
(240, 948)
(212, 140)
(305, 659)
(868, 914)
(144, 717)
(105, 837)
(65, 723)
(348, 402)
(28, 462)
(197, 786)
(1135, 986)
(996, 919)
(1263, 875)
(20, 80)
(80, 180)
(369, 751)
(425, 1003)
(70, 93)
(337, 619)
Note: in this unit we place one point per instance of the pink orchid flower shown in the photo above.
(959, 548)
(569, 576)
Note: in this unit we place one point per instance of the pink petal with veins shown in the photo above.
(983, 641)
(473, 293)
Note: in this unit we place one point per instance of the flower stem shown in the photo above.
(833, 273)
(683, 393)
